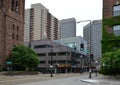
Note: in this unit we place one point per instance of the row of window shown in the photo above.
(116, 12)
(15, 28)
(15, 35)
(54, 62)
(54, 54)
(14, 5)
(42, 46)
(71, 45)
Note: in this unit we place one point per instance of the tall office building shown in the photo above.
(68, 28)
(92, 33)
(11, 26)
(40, 24)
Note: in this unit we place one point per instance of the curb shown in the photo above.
(98, 81)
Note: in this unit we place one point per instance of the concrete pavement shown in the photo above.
(19, 79)
(102, 80)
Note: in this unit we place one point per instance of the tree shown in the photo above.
(23, 58)
(111, 63)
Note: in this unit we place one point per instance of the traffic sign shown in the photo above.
(9, 62)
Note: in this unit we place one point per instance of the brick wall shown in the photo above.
(11, 28)
(108, 7)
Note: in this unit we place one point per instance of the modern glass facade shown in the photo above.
(71, 45)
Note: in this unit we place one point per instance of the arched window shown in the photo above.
(15, 5)
(12, 4)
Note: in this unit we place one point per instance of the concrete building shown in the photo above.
(77, 43)
(40, 24)
(93, 35)
(68, 28)
(62, 58)
(11, 26)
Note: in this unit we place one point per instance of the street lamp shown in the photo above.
(81, 65)
(51, 66)
(57, 68)
(96, 67)
(89, 43)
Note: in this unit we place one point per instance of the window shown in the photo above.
(42, 62)
(1, 3)
(42, 46)
(12, 35)
(41, 54)
(12, 4)
(17, 37)
(116, 10)
(116, 30)
(61, 53)
(71, 45)
(53, 54)
(17, 28)
(15, 5)
(13, 26)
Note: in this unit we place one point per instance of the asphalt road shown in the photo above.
(79, 80)
(61, 81)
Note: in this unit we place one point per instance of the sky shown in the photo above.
(79, 9)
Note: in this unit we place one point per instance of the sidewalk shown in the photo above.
(101, 79)
(19, 79)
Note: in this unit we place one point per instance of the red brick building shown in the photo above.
(11, 26)
(111, 26)
(111, 8)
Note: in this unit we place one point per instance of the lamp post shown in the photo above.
(81, 65)
(89, 43)
(57, 68)
(96, 67)
(51, 66)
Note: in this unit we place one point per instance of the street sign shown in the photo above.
(8, 62)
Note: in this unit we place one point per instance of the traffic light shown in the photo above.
(91, 57)
(81, 47)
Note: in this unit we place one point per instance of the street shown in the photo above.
(58, 79)
(78, 80)
(62, 81)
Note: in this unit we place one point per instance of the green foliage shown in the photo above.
(111, 63)
(111, 21)
(110, 48)
(110, 41)
(23, 57)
